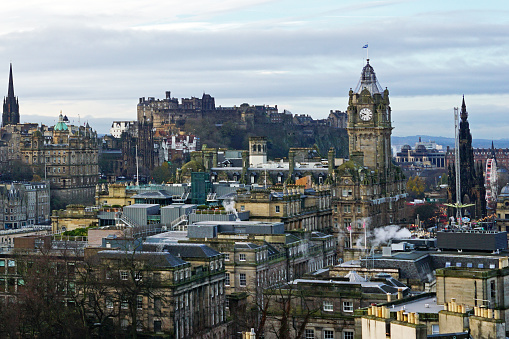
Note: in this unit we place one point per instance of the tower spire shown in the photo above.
(464, 113)
(10, 92)
(10, 115)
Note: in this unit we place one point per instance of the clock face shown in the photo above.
(365, 114)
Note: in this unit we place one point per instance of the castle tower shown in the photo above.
(10, 115)
(369, 123)
(257, 150)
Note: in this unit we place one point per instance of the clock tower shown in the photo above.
(369, 123)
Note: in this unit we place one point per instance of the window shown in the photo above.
(227, 257)
(157, 305)
(347, 208)
(139, 302)
(347, 306)
(347, 334)
(435, 329)
(242, 257)
(138, 276)
(227, 281)
(227, 303)
(328, 334)
(11, 263)
(109, 302)
(480, 266)
(310, 334)
(328, 306)
(277, 209)
(458, 264)
(242, 207)
(242, 279)
(469, 264)
(124, 304)
(448, 264)
(124, 275)
(493, 289)
(492, 265)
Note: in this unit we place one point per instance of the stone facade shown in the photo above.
(65, 155)
(299, 209)
(368, 190)
(24, 204)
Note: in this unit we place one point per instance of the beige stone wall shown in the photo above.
(484, 328)
(70, 224)
(463, 289)
(452, 322)
(373, 328)
(401, 330)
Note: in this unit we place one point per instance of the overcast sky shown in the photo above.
(94, 59)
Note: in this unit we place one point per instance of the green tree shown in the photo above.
(415, 187)
(162, 173)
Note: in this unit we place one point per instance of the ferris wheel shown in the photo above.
(490, 183)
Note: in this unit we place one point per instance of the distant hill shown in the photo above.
(444, 141)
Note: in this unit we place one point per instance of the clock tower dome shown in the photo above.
(369, 123)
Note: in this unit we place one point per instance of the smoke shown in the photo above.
(382, 235)
(229, 206)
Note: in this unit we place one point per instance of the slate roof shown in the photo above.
(154, 259)
(191, 250)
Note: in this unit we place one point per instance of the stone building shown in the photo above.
(503, 209)
(65, 155)
(24, 204)
(324, 308)
(368, 190)
(298, 208)
(471, 173)
(180, 297)
(168, 110)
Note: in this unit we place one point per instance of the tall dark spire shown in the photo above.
(10, 115)
(464, 113)
(10, 92)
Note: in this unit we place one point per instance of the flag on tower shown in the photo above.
(365, 46)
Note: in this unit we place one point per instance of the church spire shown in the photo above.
(464, 113)
(10, 115)
(10, 92)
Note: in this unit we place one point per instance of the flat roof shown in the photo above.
(423, 305)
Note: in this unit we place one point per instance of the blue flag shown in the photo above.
(365, 46)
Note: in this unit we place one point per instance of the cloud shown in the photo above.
(98, 59)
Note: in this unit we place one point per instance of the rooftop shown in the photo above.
(423, 305)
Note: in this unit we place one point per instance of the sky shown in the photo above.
(94, 59)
